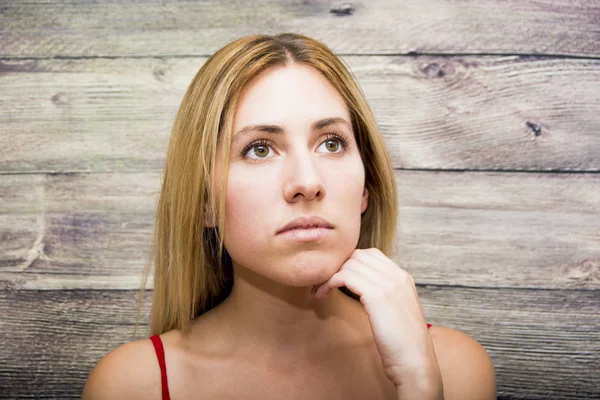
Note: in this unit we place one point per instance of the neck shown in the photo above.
(263, 314)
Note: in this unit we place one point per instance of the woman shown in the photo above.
(277, 191)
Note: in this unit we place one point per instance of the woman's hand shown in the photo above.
(389, 296)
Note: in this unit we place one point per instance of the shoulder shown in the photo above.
(466, 368)
(130, 371)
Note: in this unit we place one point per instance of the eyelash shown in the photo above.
(264, 142)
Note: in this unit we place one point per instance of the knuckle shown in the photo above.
(406, 277)
(377, 251)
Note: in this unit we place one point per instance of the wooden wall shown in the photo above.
(490, 109)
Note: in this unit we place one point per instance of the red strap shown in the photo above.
(160, 354)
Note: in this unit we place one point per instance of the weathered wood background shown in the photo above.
(491, 110)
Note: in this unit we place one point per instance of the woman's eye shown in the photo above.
(332, 145)
(261, 150)
(257, 151)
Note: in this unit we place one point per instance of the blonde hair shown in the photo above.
(192, 270)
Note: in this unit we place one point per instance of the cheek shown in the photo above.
(247, 205)
(345, 186)
(345, 193)
(245, 197)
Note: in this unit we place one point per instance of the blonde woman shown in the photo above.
(272, 276)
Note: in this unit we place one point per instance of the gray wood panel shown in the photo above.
(133, 28)
(85, 231)
(544, 343)
(476, 113)
(490, 110)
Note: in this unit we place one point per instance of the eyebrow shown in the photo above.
(276, 129)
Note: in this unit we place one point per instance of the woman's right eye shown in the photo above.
(261, 150)
(257, 150)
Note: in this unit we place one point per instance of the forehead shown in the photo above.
(290, 95)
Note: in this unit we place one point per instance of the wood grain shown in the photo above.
(489, 110)
(541, 342)
(98, 29)
(91, 231)
(476, 113)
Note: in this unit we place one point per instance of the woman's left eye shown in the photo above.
(333, 143)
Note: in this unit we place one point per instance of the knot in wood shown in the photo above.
(158, 73)
(535, 128)
(585, 270)
(342, 9)
(60, 99)
(435, 70)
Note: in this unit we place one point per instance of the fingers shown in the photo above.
(380, 262)
(357, 277)
(379, 274)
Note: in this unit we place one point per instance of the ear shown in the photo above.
(365, 200)
(209, 220)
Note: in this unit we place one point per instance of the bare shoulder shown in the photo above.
(466, 368)
(130, 371)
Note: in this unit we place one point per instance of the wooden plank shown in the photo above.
(133, 28)
(543, 343)
(509, 229)
(55, 343)
(85, 231)
(493, 113)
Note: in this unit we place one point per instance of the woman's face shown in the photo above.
(290, 169)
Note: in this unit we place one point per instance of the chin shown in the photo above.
(308, 270)
(293, 267)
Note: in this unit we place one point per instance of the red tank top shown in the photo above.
(160, 354)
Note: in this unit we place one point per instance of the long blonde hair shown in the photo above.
(192, 270)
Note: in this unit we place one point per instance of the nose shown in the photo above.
(302, 179)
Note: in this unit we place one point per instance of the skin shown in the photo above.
(273, 327)
(297, 175)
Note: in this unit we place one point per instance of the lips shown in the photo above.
(306, 223)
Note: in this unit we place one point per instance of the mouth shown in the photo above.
(311, 234)
(306, 229)
(306, 223)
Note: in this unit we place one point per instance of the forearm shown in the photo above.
(423, 388)
(409, 392)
